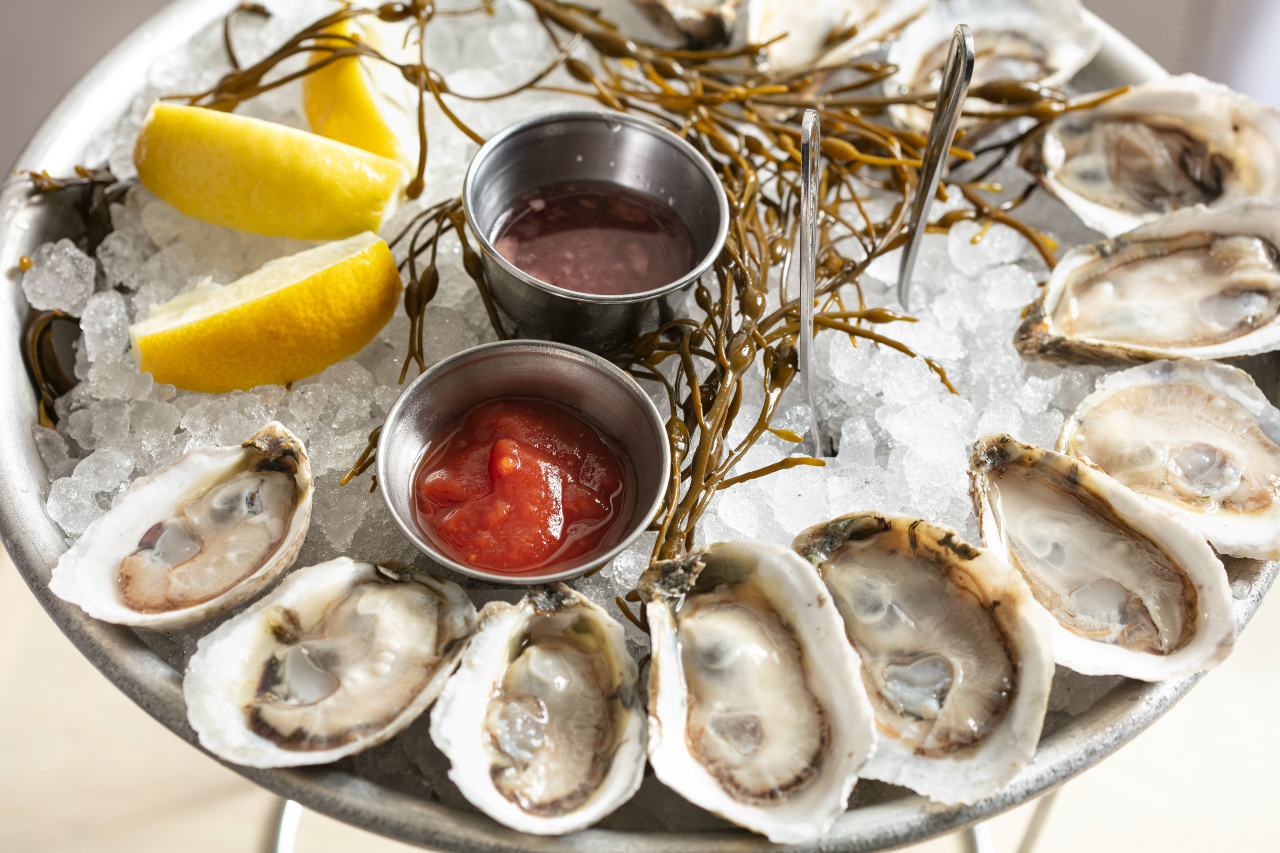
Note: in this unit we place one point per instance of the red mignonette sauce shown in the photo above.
(521, 485)
(595, 237)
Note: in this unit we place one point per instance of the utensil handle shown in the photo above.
(942, 132)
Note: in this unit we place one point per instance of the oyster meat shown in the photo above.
(804, 34)
(756, 712)
(1133, 591)
(542, 723)
(1038, 41)
(1199, 438)
(195, 539)
(1197, 283)
(1160, 146)
(338, 658)
(956, 656)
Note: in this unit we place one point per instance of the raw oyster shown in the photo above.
(822, 33)
(1158, 147)
(338, 658)
(956, 655)
(195, 539)
(756, 711)
(1040, 41)
(702, 24)
(1133, 590)
(1197, 283)
(543, 724)
(1196, 436)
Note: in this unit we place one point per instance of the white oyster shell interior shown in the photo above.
(195, 539)
(542, 723)
(336, 659)
(1196, 436)
(756, 711)
(956, 657)
(1133, 590)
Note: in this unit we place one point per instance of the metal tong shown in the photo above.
(810, 152)
(946, 117)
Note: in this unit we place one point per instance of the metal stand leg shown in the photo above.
(282, 831)
(977, 838)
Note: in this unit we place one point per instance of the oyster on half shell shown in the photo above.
(756, 711)
(702, 24)
(956, 656)
(337, 659)
(195, 539)
(1038, 41)
(1159, 147)
(1199, 438)
(1133, 591)
(1197, 283)
(822, 33)
(542, 723)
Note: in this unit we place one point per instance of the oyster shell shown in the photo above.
(822, 33)
(338, 658)
(543, 724)
(1041, 41)
(702, 24)
(195, 539)
(1197, 437)
(956, 655)
(1133, 590)
(1197, 283)
(1160, 146)
(756, 712)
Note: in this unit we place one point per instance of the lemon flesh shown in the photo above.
(263, 177)
(293, 317)
(366, 102)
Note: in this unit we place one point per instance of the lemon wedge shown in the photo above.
(262, 177)
(293, 317)
(365, 102)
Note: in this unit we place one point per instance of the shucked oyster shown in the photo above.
(195, 539)
(756, 712)
(703, 24)
(338, 658)
(1198, 283)
(542, 723)
(1040, 41)
(1161, 146)
(822, 33)
(1196, 436)
(956, 656)
(1133, 590)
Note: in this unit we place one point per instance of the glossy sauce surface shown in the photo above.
(519, 485)
(595, 237)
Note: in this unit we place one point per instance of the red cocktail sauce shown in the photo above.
(519, 485)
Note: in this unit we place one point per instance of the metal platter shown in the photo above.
(881, 816)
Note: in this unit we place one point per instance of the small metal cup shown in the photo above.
(588, 146)
(563, 374)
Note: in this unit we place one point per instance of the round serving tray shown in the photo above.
(881, 816)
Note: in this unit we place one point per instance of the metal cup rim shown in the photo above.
(495, 142)
(624, 382)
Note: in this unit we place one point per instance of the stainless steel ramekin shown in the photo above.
(589, 146)
(606, 395)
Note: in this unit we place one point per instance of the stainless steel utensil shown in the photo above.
(810, 155)
(946, 118)
(603, 393)
(589, 146)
